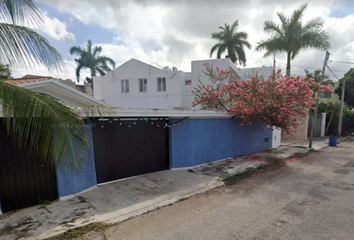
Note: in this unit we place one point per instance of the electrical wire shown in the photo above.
(332, 72)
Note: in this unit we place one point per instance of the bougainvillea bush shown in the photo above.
(277, 101)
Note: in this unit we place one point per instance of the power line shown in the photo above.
(332, 72)
(342, 62)
(309, 67)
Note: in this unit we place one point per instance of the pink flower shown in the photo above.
(241, 124)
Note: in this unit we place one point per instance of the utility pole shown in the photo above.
(274, 71)
(314, 117)
(341, 109)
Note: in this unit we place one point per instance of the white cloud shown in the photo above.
(54, 28)
(175, 32)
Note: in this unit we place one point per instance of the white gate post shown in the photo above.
(323, 124)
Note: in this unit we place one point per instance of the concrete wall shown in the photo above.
(302, 134)
(108, 87)
(199, 141)
(70, 182)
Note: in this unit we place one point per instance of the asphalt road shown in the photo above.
(310, 199)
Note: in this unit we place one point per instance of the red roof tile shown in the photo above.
(17, 81)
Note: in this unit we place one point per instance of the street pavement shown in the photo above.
(308, 199)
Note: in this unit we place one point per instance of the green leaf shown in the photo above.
(44, 125)
(21, 46)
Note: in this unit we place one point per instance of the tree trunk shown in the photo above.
(288, 63)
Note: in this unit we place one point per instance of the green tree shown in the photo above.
(349, 88)
(90, 58)
(5, 72)
(317, 76)
(232, 42)
(36, 120)
(292, 36)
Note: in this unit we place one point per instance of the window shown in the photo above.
(325, 94)
(161, 84)
(142, 85)
(125, 86)
(188, 82)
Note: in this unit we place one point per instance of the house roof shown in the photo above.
(19, 81)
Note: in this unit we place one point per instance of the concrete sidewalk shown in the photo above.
(109, 203)
(317, 143)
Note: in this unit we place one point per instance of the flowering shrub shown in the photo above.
(278, 101)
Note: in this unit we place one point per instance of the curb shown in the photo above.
(140, 208)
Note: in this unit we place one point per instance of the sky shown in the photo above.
(175, 32)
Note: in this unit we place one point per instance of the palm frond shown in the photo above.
(216, 46)
(271, 46)
(217, 35)
(21, 12)
(96, 50)
(234, 26)
(271, 27)
(297, 14)
(44, 125)
(21, 46)
(314, 24)
(283, 19)
(105, 60)
(221, 49)
(316, 39)
(89, 46)
(100, 71)
(76, 50)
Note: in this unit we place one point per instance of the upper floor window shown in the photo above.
(325, 94)
(188, 82)
(125, 86)
(161, 84)
(143, 85)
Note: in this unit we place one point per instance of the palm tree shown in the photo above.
(36, 120)
(317, 76)
(291, 36)
(5, 72)
(90, 58)
(232, 42)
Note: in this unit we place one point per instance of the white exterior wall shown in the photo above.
(177, 96)
(248, 73)
(186, 91)
(108, 87)
(276, 137)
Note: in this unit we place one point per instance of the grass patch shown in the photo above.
(231, 180)
(78, 232)
(273, 162)
(299, 155)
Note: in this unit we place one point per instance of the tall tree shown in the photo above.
(232, 42)
(5, 72)
(317, 76)
(90, 58)
(292, 36)
(36, 120)
(349, 88)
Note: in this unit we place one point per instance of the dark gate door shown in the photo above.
(317, 129)
(24, 180)
(129, 148)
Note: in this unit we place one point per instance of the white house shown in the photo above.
(136, 84)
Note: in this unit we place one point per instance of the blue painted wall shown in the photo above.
(199, 141)
(71, 182)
